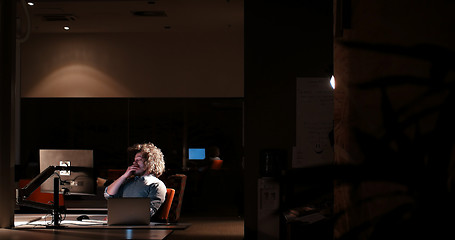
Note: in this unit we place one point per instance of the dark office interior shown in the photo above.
(108, 125)
(391, 172)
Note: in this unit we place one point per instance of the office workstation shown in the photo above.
(70, 172)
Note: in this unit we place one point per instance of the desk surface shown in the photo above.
(95, 221)
(78, 230)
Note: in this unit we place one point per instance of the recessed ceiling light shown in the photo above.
(66, 28)
(31, 3)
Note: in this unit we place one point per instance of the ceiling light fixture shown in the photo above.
(66, 28)
(31, 3)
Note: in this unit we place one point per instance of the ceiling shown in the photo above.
(86, 16)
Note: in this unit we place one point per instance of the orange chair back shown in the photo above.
(163, 212)
(216, 164)
(113, 174)
(177, 182)
(38, 196)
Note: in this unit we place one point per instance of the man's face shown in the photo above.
(139, 162)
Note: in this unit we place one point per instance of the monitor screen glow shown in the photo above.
(196, 153)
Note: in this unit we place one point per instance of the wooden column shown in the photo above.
(7, 70)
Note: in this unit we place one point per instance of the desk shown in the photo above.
(83, 234)
(95, 221)
(95, 228)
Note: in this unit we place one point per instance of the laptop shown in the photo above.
(128, 211)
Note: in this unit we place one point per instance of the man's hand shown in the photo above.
(131, 170)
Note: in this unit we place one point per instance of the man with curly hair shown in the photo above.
(141, 178)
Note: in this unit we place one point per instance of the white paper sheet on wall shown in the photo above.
(314, 122)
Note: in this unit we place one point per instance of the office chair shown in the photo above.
(163, 212)
(113, 174)
(177, 182)
(216, 164)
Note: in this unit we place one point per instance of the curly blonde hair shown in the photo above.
(153, 155)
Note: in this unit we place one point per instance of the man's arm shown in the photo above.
(115, 186)
(157, 197)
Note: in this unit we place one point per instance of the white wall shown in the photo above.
(169, 64)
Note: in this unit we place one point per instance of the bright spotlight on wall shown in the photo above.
(332, 82)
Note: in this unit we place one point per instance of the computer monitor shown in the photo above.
(196, 153)
(80, 181)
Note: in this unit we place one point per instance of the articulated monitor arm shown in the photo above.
(23, 193)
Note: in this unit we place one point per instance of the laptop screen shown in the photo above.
(128, 211)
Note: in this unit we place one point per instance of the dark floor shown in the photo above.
(214, 221)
